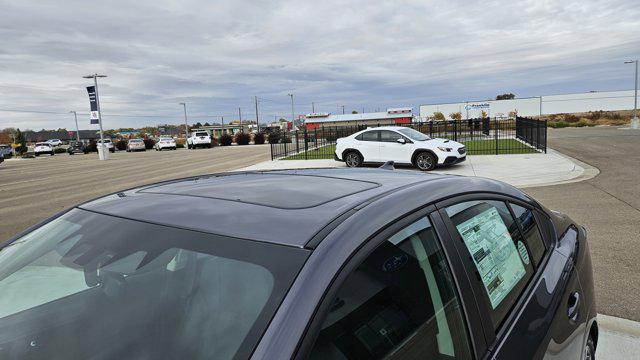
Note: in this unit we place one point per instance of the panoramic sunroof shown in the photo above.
(287, 191)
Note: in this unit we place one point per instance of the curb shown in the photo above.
(589, 172)
(619, 325)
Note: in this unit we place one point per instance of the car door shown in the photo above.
(398, 298)
(391, 149)
(527, 292)
(368, 143)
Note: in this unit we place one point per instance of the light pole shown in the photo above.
(635, 122)
(186, 125)
(95, 83)
(293, 113)
(75, 114)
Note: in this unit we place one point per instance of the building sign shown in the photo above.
(95, 119)
(479, 106)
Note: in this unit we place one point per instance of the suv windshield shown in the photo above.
(202, 134)
(88, 285)
(413, 134)
(135, 140)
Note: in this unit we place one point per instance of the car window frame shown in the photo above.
(476, 338)
(495, 336)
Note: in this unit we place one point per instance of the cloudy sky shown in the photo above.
(217, 55)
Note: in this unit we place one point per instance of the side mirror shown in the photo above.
(401, 141)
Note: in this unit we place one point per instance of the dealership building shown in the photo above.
(392, 116)
(535, 106)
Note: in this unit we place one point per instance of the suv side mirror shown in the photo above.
(401, 141)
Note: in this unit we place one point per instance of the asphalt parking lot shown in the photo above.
(608, 206)
(31, 190)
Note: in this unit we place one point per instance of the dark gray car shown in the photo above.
(320, 264)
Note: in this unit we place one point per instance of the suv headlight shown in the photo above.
(444, 149)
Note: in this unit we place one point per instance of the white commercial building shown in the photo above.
(534, 106)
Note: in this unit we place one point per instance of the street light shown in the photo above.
(95, 83)
(635, 122)
(75, 114)
(293, 113)
(186, 126)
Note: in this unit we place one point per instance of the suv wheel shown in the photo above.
(425, 161)
(590, 349)
(353, 159)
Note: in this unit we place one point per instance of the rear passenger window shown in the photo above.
(400, 303)
(530, 232)
(497, 251)
(368, 136)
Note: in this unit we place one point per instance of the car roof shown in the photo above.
(287, 207)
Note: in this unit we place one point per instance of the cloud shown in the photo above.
(217, 55)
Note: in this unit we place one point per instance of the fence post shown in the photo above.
(495, 124)
(455, 130)
(430, 128)
(315, 136)
(546, 129)
(271, 146)
(297, 143)
(306, 146)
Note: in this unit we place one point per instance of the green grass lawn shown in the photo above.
(474, 147)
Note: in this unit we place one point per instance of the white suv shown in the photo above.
(399, 144)
(199, 139)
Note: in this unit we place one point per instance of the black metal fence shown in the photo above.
(480, 136)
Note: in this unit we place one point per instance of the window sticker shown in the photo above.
(523, 252)
(493, 252)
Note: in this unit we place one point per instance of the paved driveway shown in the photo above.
(34, 189)
(608, 206)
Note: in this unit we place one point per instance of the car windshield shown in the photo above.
(88, 285)
(413, 134)
(135, 140)
(42, 144)
(201, 134)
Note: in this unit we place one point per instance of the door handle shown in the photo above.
(573, 305)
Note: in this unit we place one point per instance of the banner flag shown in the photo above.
(95, 119)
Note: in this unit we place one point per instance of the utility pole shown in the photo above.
(186, 125)
(635, 122)
(240, 119)
(75, 114)
(257, 118)
(222, 117)
(313, 108)
(95, 83)
(293, 113)
(342, 109)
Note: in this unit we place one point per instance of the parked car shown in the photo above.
(381, 264)
(1, 158)
(43, 148)
(108, 143)
(54, 142)
(77, 148)
(136, 145)
(165, 143)
(401, 145)
(6, 149)
(199, 139)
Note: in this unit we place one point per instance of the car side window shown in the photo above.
(530, 232)
(497, 251)
(400, 302)
(368, 136)
(389, 136)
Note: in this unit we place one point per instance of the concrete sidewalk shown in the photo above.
(618, 338)
(521, 170)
